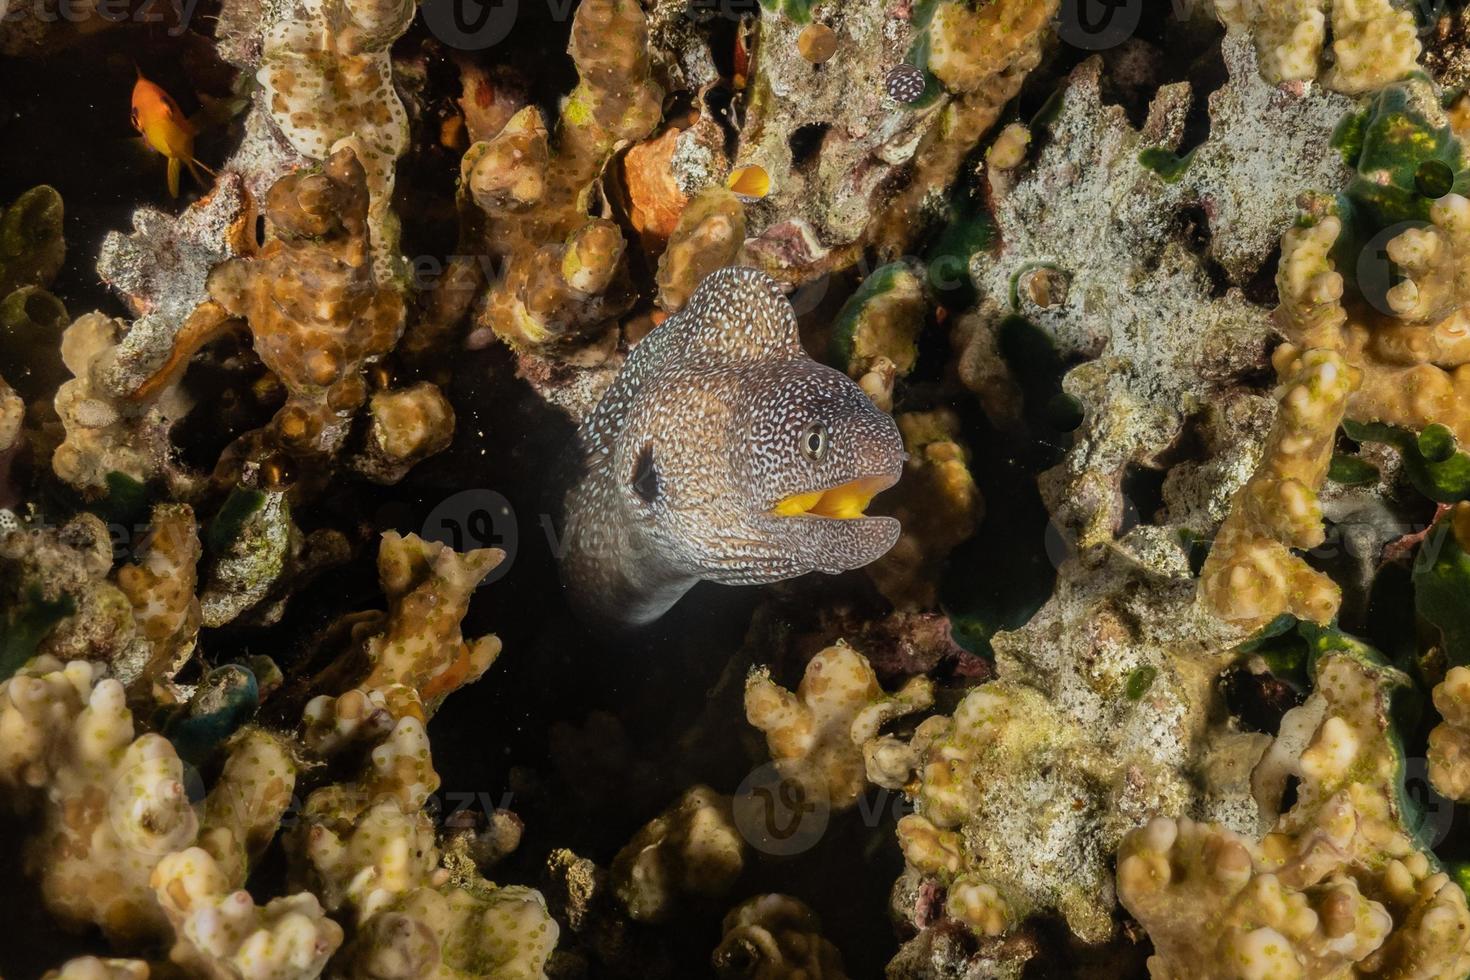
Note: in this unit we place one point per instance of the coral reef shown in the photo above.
(327, 83)
(1337, 886)
(315, 310)
(819, 733)
(1168, 310)
(562, 267)
(1373, 42)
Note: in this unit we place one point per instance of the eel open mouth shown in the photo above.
(845, 502)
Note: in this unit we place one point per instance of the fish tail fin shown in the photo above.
(174, 168)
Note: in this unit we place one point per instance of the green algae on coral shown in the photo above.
(880, 319)
(1351, 471)
(1169, 165)
(225, 700)
(1434, 464)
(1442, 589)
(25, 624)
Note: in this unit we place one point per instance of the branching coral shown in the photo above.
(414, 655)
(1102, 705)
(114, 803)
(160, 585)
(692, 849)
(109, 432)
(313, 305)
(368, 848)
(875, 334)
(1449, 742)
(1098, 206)
(328, 84)
(1250, 576)
(1338, 887)
(1441, 580)
(709, 235)
(95, 968)
(848, 164)
(938, 505)
(562, 268)
(1365, 348)
(223, 934)
(406, 426)
(1373, 42)
(817, 733)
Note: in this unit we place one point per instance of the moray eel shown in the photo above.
(723, 452)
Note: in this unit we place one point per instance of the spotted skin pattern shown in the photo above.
(721, 397)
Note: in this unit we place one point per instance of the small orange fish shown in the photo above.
(165, 128)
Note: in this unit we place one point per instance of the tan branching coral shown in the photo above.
(115, 803)
(1374, 43)
(1251, 576)
(328, 83)
(1410, 355)
(368, 849)
(692, 849)
(1338, 887)
(107, 432)
(415, 653)
(938, 505)
(316, 311)
(160, 584)
(1007, 39)
(1449, 742)
(709, 235)
(817, 733)
(406, 426)
(848, 165)
(429, 587)
(224, 935)
(367, 846)
(561, 268)
(775, 937)
(96, 968)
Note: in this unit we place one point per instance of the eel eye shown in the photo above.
(645, 476)
(814, 441)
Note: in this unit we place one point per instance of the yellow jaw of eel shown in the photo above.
(845, 502)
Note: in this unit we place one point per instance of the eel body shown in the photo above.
(722, 452)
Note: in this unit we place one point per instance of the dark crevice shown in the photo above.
(806, 143)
